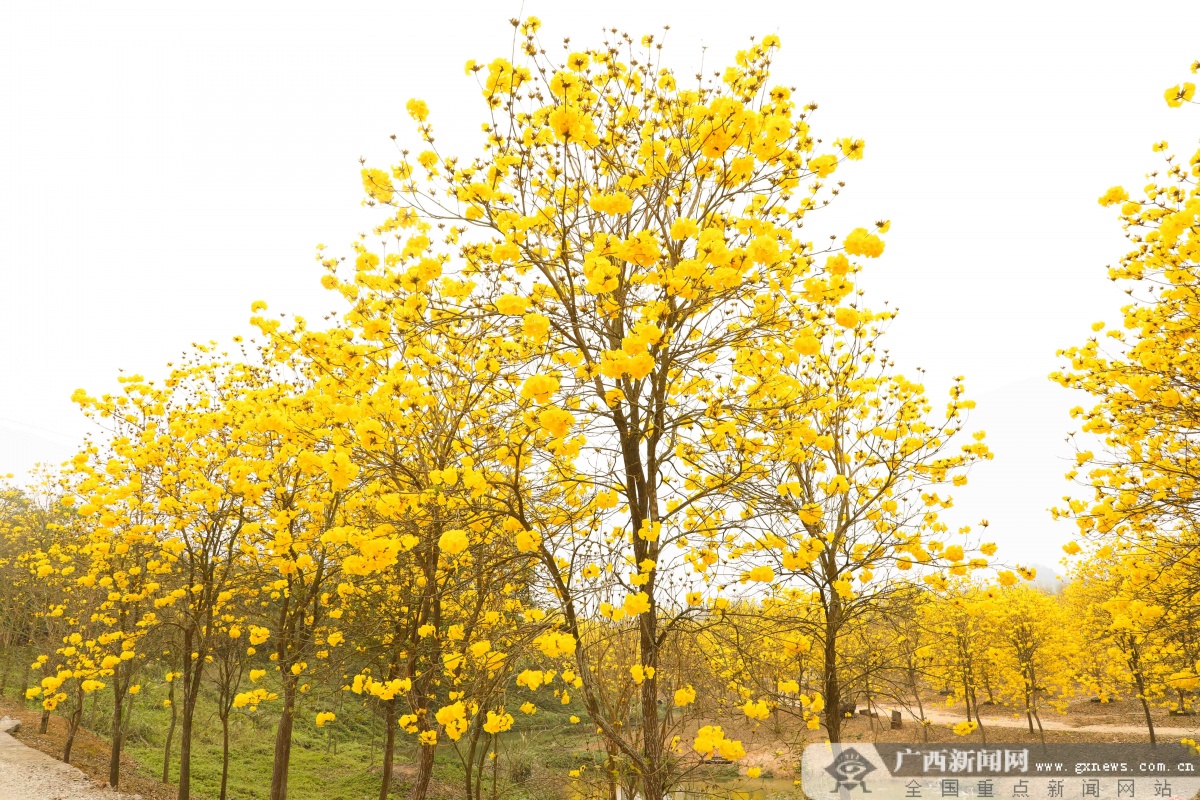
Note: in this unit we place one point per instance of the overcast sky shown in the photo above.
(164, 165)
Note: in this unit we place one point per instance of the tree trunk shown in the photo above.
(166, 771)
(114, 758)
(185, 753)
(495, 765)
(468, 778)
(653, 780)
(978, 719)
(72, 729)
(987, 687)
(1030, 683)
(45, 726)
(283, 740)
(912, 683)
(1150, 722)
(191, 693)
(224, 755)
(389, 747)
(473, 763)
(1135, 662)
(424, 772)
(871, 712)
(832, 686)
(612, 773)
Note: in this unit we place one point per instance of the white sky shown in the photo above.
(163, 165)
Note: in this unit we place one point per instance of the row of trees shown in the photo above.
(594, 408)
(593, 381)
(748, 662)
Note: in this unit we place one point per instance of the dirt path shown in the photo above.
(1051, 724)
(27, 774)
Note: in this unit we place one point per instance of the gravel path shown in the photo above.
(1051, 723)
(27, 774)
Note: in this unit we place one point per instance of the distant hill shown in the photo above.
(1048, 579)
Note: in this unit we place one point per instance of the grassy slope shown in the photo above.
(338, 762)
(342, 760)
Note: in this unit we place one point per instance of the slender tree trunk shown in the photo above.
(832, 687)
(45, 725)
(122, 677)
(73, 728)
(495, 765)
(424, 772)
(612, 773)
(118, 728)
(1031, 697)
(473, 767)
(283, 739)
(191, 693)
(389, 747)
(166, 770)
(871, 713)
(481, 767)
(1135, 662)
(1146, 711)
(912, 683)
(978, 719)
(333, 732)
(1041, 732)
(468, 775)
(653, 781)
(224, 754)
(1149, 721)
(425, 753)
(24, 683)
(185, 749)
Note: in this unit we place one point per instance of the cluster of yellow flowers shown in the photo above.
(710, 740)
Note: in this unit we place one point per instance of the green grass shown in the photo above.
(343, 760)
(315, 771)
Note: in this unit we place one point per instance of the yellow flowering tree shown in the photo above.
(1035, 651)
(407, 415)
(120, 557)
(957, 628)
(204, 485)
(853, 473)
(296, 538)
(1136, 460)
(637, 244)
(226, 671)
(34, 525)
(1127, 604)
